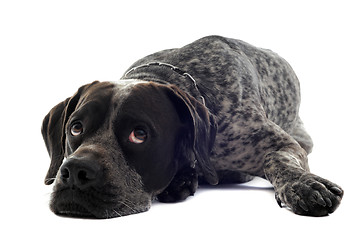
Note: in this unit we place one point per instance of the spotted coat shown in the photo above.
(254, 95)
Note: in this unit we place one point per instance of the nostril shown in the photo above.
(65, 173)
(83, 177)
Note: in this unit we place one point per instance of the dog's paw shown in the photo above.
(311, 195)
(183, 185)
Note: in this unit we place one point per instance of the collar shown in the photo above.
(173, 68)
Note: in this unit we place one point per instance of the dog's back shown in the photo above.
(243, 86)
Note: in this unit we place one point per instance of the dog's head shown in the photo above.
(115, 146)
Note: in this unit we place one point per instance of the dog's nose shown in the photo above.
(81, 173)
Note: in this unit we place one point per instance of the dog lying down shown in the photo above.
(215, 111)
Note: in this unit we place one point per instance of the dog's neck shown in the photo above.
(172, 68)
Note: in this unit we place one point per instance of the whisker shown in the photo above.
(117, 213)
(127, 203)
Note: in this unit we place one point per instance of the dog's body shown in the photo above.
(152, 134)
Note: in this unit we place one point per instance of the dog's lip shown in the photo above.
(73, 210)
(75, 214)
(76, 203)
(71, 203)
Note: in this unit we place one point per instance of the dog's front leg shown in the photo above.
(183, 185)
(300, 190)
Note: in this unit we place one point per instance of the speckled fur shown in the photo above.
(254, 95)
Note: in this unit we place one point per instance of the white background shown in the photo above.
(49, 48)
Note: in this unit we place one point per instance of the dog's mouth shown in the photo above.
(74, 210)
(75, 203)
(92, 204)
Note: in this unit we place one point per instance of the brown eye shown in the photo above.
(137, 136)
(76, 129)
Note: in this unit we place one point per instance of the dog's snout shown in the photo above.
(81, 173)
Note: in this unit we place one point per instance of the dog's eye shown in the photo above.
(76, 129)
(137, 136)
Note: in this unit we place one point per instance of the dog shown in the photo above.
(216, 111)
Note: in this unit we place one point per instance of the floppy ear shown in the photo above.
(53, 132)
(202, 129)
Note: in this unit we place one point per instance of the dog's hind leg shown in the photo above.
(302, 137)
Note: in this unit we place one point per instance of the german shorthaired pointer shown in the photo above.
(116, 146)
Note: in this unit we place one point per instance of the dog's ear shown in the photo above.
(53, 131)
(202, 130)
